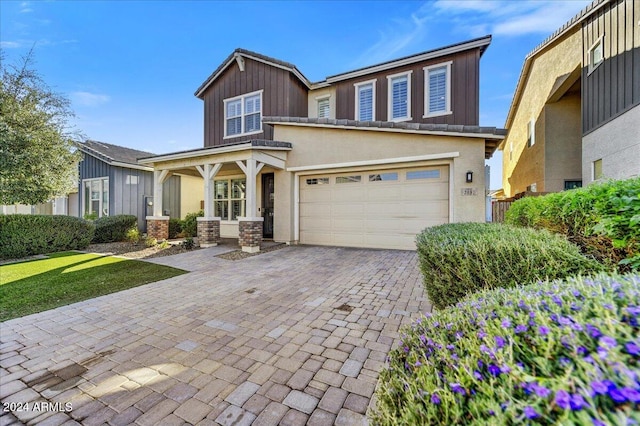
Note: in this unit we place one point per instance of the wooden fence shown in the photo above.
(498, 209)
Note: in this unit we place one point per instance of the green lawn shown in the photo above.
(69, 277)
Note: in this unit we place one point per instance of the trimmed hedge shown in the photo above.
(110, 229)
(602, 218)
(549, 353)
(461, 258)
(190, 224)
(26, 235)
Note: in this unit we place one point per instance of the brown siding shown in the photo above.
(614, 86)
(465, 83)
(284, 95)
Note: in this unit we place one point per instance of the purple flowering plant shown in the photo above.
(567, 366)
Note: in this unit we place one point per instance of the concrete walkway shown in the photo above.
(291, 337)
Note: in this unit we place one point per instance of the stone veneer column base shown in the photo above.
(250, 233)
(208, 231)
(158, 227)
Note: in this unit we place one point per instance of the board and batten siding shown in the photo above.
(126, 197)
(613, 87)
(465, 83)
(284, 95)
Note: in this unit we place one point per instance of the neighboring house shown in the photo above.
(64, 205)
(575, 115)
(112, 182)
(367, 158)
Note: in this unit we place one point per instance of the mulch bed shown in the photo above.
(136, 251)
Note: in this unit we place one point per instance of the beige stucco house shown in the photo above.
(575, 115)
(367, 158)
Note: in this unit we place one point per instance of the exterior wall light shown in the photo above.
(469, 177)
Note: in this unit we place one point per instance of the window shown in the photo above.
(596, 54)
(323, 107)
(365, 101)
(229, 198)
(531, 133)
(383, 177)
(423, 174)
(349, 179)
(597, 169)
(437, 90)
(318, 181)
(243, 115)
(399, 97)
(131, 180)
(572, 184)
(96, 197)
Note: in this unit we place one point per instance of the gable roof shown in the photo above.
(114, 155)
(560, 32)
(238, 54)
(482, 43)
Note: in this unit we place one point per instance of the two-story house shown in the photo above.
(575, 115)
(366, 158)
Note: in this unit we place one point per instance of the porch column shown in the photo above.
(158, 225)
(250, 226)
(208, 227)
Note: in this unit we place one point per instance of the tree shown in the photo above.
(38, 155)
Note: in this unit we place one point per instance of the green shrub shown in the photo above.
(602, 218)
(188, 243)
(175, 227)
(562, 353)
(190, 224)
(133, 235)
(111, 229)
(150, 242)
(25, 235)
(461, 258)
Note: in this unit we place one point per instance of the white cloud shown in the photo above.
(509, 18)
(11, 44)
(89, 99)
(25, 7)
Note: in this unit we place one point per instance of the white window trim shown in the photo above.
(323, 98)
(84, 201)
(390, 97)
(373, 98)
(448, 110)
(591, 66)
(242, 114)
(229, 178)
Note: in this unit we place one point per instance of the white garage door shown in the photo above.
(377, 208)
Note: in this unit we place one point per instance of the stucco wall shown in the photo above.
(318, 146)
(527, 164)
(617, 143)
(563, 143)
(320, 93)
(191, 193)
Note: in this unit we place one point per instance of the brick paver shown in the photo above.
(294, 336)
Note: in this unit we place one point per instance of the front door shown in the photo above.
(267, 205)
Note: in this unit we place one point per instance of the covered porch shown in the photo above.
(238, 190)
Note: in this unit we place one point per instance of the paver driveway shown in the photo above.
(295, 336)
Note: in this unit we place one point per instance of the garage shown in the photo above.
(382, 208)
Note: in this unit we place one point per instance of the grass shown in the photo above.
(69, 277)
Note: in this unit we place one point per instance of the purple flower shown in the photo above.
(530, 412)
(418, 364)
(505, 369)
(633, 310)
(557, 300)
(494, 370)
(541, 391)
(506, 323)
(564, 320)
(491, 413)
(631, 394)
(477, 375)
(543, 330)
(582, 351)
(481, 334)
(521, 329)
(608, 341)
(597, 422)
(499, 342)
(632, 348)
(457, 388)
(423, 339)
(577, 402)
(617, 395)
(435, 399)
(562, 399)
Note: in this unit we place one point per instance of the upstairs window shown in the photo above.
(365, 101)
(596, 54)
(399, 97)
(323, 107)
(437, 90)
(243, 115)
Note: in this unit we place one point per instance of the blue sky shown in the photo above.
(130, 68)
